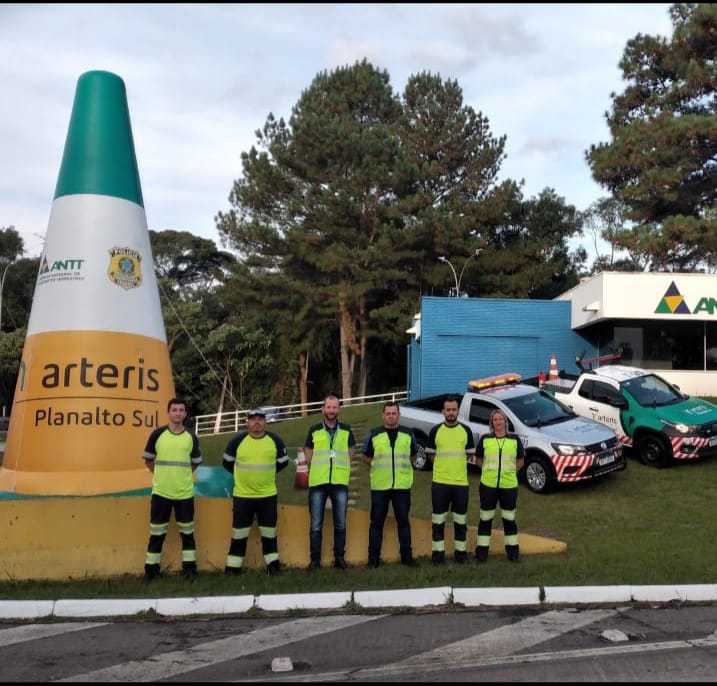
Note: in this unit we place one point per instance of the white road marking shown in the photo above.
(405, 669)
(170, 664)
(512, 638)
(32, 632)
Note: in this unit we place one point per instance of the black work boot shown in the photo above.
(513, 553)
(232, 571)
(460, 556)
(151, 572)
(273, 568)
(314, 564)
(189, 572)
(438, 557)
(482, 554)
(340, 563)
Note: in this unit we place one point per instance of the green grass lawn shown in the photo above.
(639, 526)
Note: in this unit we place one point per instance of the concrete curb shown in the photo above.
(210, 605)
(535, 596)
(412, 597)
(475, 597)
(114, 607)
(303, 601)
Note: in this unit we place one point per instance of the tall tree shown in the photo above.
(11, 244)
(11, 345)
(316, 201)
(605, 220)
(190, 270)
(451, 162)
(661, 161)
(529, 255)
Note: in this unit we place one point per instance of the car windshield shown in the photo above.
(652, 391)
(539, 409)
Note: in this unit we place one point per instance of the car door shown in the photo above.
(578, 401)
(602, 406)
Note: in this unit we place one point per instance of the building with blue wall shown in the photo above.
(468, 338)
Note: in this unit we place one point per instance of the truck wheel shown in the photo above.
(422, 463)
(539, 474)
(654, 451)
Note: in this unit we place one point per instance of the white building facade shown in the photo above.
(665, 322)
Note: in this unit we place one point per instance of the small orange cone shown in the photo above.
(301, 480)
(553, 373)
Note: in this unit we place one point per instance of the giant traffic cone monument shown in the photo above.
(95, 374)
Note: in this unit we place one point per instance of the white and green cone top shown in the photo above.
(99, 154)
(97, 212)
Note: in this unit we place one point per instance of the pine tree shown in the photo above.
(661, 161)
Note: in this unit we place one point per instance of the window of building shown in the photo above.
(658, 344)
(711, 343)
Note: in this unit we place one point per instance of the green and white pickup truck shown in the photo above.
(646, 412)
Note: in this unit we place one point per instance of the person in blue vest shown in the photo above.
(328, 449)
(390, 450)
(254, 457)
(172, 454)
(500, 456)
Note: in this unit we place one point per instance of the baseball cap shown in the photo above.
(256, 412)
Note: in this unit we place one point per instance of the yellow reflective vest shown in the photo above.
(254, 463)
(331, 460)
(390, 465)
(450, 446)
(173, 456)
(499, 460)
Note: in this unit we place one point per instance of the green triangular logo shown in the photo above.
(663, 308)
(673, 302)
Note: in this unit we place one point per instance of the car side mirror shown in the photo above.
(620, 403)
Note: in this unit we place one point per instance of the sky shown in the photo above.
(201, 79)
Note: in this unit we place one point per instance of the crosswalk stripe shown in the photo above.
(32, 632)
(511, 638)
(498, 644)
(407, 669)
(176, 662)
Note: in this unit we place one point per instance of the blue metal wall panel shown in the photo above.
(468, 338)
(414, 369)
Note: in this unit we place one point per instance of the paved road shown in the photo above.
(666, 644)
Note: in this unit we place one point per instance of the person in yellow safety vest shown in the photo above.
(328, 449)
(449, 445)
(500, 456)
(172, 454)
(254, 458)
(390, 450)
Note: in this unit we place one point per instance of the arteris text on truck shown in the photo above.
(106, 375)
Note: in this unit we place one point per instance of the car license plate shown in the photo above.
(607, 459)
(713, 441)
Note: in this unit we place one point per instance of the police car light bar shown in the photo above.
(493, 381)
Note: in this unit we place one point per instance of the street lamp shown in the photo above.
(2, 284)
(458, 278)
